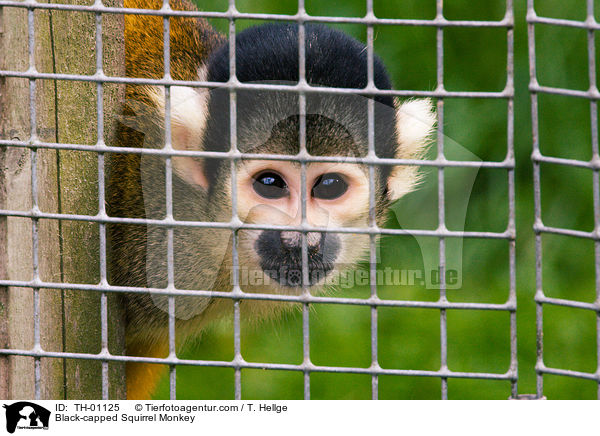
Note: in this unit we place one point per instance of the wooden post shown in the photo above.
(67, 182)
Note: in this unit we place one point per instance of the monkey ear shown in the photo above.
(188, 121)
(414, 127)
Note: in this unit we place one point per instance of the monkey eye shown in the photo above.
(270, 185)
(329, 186)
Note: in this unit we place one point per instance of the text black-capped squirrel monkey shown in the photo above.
(268, 191)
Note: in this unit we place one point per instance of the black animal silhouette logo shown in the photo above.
(26, 415)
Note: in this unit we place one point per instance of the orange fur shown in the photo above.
(142, 378)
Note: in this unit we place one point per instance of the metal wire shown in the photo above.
(34, 206)
(101, 206)
(538, 158)
(233, 155)
(302, 151)
(237, 291)
(441, 198)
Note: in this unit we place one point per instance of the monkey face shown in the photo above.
(269, 192)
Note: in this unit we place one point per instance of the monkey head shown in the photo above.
(269, 191)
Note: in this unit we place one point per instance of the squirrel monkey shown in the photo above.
(268, 190)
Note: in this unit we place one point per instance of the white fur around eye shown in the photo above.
(414, 125)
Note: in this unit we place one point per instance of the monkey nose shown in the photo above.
(294, 239)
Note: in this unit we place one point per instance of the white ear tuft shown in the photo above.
(414, 127)
(188, 120)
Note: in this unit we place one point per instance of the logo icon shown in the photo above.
(26, 415)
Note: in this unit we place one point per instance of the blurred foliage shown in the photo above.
(478, 341)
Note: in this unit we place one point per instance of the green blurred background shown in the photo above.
(478, 341)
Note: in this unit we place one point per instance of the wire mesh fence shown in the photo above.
(536, 88)
(440, 164)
